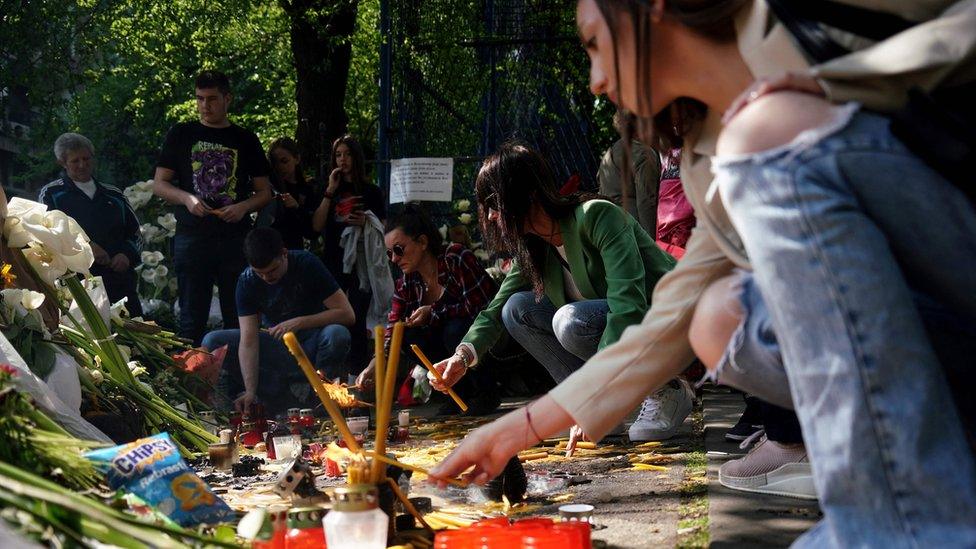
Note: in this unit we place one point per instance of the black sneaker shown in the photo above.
(741, 431)
(449, 408)
(749, 422)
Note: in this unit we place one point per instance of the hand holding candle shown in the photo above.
(426, 362)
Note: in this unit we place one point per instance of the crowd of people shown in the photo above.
(811, 252)
(830, 271)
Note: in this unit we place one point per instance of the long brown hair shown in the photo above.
(510, 181)
(714, 19)
(290, 146)
(358, 160)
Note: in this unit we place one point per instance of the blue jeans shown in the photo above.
(838, 227)
(200, 261)
(326, 347)
(561, 340)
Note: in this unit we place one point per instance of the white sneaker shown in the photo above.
(663, 412)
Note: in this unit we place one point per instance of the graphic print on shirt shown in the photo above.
(214, 178)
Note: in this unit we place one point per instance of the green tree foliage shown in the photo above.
(362, 93)
(129, 74)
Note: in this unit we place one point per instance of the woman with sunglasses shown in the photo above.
(851, 239)
(442, 290)
(584, 269)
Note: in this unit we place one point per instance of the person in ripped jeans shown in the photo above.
(834, 309)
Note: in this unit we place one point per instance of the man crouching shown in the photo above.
(281, 291)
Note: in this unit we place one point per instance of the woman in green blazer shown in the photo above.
(584, 269)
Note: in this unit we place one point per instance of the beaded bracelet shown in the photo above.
(528, 418)
(464, 358)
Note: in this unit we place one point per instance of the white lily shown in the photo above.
(30, 223)
(465, 218)
(118, 310)
(48, 265)
(148, 274)
(139, 194)
(28, 299)
(161, 271)
(167, 222)
(160, 281)
(152, 259)
(463, 205)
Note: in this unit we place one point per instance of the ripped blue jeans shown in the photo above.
(839, 225)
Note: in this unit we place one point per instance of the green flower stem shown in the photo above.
(108, 349)
(45, 423)
(20, 482)
(24, 484)
(200, 437)
(42, 514)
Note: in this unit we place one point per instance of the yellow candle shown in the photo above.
(426, 362)
(295, 348)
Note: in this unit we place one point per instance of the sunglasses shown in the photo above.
(396, 251)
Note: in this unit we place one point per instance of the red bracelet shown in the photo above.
(528, 418)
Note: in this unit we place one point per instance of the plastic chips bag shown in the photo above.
(153, 469)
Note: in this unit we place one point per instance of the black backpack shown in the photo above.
(939, 126)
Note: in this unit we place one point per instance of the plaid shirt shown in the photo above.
(467, 290)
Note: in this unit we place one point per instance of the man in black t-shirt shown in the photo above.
(281, 291)
(218, 172)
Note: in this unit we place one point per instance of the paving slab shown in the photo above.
(633, 509)
(743, 519)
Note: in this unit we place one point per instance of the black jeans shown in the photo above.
(439, 343)
(781, 424)
(200, 262)
(119, 285)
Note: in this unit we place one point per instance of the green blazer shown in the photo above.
(610, 257)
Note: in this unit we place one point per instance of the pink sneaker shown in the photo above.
(770, 468)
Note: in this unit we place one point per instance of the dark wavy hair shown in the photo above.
(212, 79)
(415, 222)
(290, 145)
(511, 180)
(358, 160)
(261, 246)
(714, 19)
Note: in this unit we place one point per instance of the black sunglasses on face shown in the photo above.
(397, 251)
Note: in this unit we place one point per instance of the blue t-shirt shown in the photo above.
(301, 292)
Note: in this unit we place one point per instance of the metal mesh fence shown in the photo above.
(464, 76)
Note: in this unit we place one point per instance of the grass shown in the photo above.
(693, 528)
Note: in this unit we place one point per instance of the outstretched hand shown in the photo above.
(486, 450)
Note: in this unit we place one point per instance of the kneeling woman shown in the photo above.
(442, 290)
(584, 269)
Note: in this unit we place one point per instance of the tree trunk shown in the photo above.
(321, 32)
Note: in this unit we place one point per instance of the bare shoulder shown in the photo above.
(773, 120)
